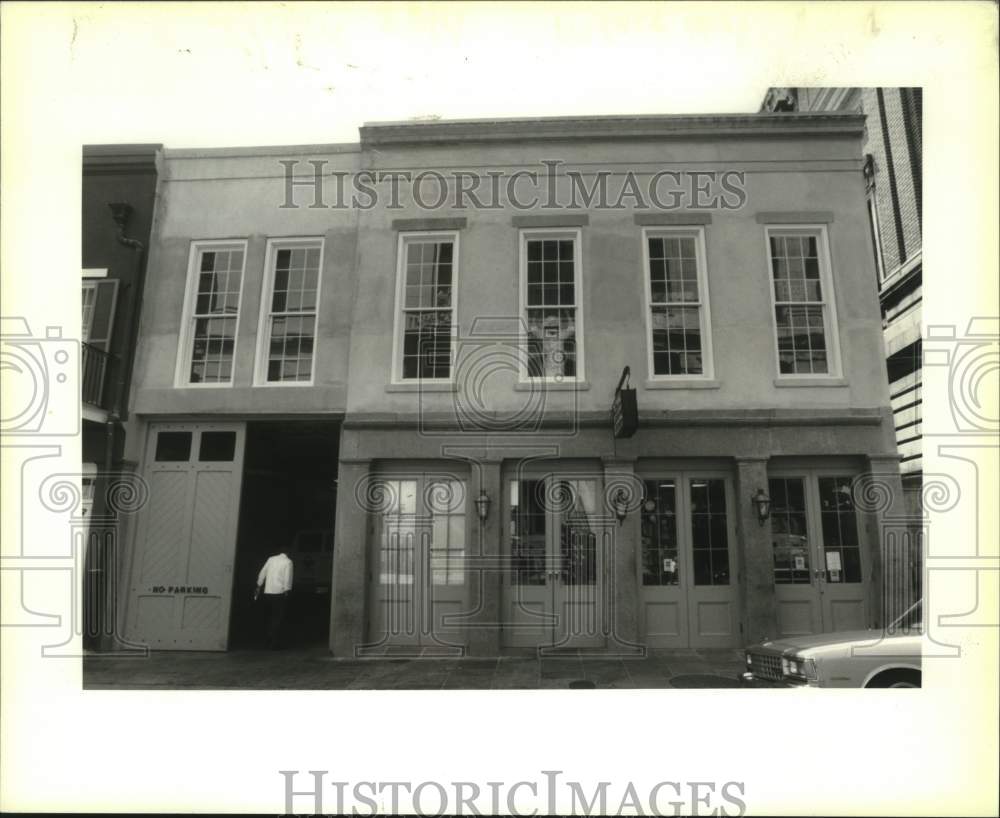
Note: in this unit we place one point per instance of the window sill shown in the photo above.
(783, 382)
(421, 386)
(683, 383)
(551, 386)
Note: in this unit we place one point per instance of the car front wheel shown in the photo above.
(896, 678)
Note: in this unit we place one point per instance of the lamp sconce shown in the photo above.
(762, 503)
(483, 505)
(620, 503)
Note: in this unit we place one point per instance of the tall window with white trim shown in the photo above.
(679, 342)
(550, 304)
(803, 301)
(213, 308)
(288, 317)
(426, 319)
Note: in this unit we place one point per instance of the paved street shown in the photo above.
(315, 669)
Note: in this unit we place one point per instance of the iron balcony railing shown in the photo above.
(96, 367)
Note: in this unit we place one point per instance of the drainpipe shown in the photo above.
(105, 561)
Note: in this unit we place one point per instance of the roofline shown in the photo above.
(263, 150)
(655, 126)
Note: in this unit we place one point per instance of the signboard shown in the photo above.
(624, 410)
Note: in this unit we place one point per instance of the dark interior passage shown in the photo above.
(288, 503)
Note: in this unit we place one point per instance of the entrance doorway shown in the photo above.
(819, 557)
(690, 588)
(558, 539)
(419, 583)
(289, 503)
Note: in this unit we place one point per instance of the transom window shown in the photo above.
(803, 308)
(550, 301)
(679, 342)
(214, 303)
(291, 295)
(426, 320)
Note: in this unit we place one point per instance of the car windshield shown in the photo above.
(910, 621)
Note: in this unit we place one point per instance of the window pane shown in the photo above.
(788, 526)
(217, 447)
(427, 344)
(660, 565)
(527, 533)
(709, 532)
(427, 318)
(173, 447)
(676, 335)
(840, 530)
(801, 339)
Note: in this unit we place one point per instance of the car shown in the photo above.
(868, 658)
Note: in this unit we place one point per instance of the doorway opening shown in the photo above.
(289, 503)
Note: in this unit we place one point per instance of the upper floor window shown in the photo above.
(679, 340)
(802, 292)
(425, 297)
(287, 334)
(212, 306)
(550, 304)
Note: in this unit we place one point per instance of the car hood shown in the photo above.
(820, 640)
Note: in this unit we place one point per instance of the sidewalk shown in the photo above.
(315, 669)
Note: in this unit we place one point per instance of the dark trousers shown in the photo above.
(275, 605)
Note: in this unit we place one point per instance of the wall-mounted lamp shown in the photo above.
(620, 503)
(762, 503)
(483, 505)
(120, 212)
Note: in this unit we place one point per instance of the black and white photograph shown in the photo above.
(455, 408)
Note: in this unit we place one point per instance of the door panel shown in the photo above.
(420, 583)
(556, 543)
(182, 565)
(689, 581)
(818, 554)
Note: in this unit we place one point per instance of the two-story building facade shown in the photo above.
(398, 361)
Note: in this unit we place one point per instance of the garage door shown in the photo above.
(182, 565)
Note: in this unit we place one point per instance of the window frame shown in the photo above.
(261, 353)
(404, 239)
(526, 234)
(831, 332)
(704, 308)
(185, 341)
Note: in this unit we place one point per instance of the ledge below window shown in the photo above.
(782, 382)
(683, 383)
(551, 386)
(421, 387)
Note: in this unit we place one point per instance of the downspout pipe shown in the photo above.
(102, 567)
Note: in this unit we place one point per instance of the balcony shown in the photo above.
(97, 367)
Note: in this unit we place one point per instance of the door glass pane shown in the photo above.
(788, 526)
(576, 501)
(709, 532)
(660, 564)
(217, 447)
(842, 551)
(173, 447)
(527, 532)
(446, 505)
(396, 543)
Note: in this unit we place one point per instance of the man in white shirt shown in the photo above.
(275, 578)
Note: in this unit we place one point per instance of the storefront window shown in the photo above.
(446, 503)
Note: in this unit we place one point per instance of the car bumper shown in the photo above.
(747, 679)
